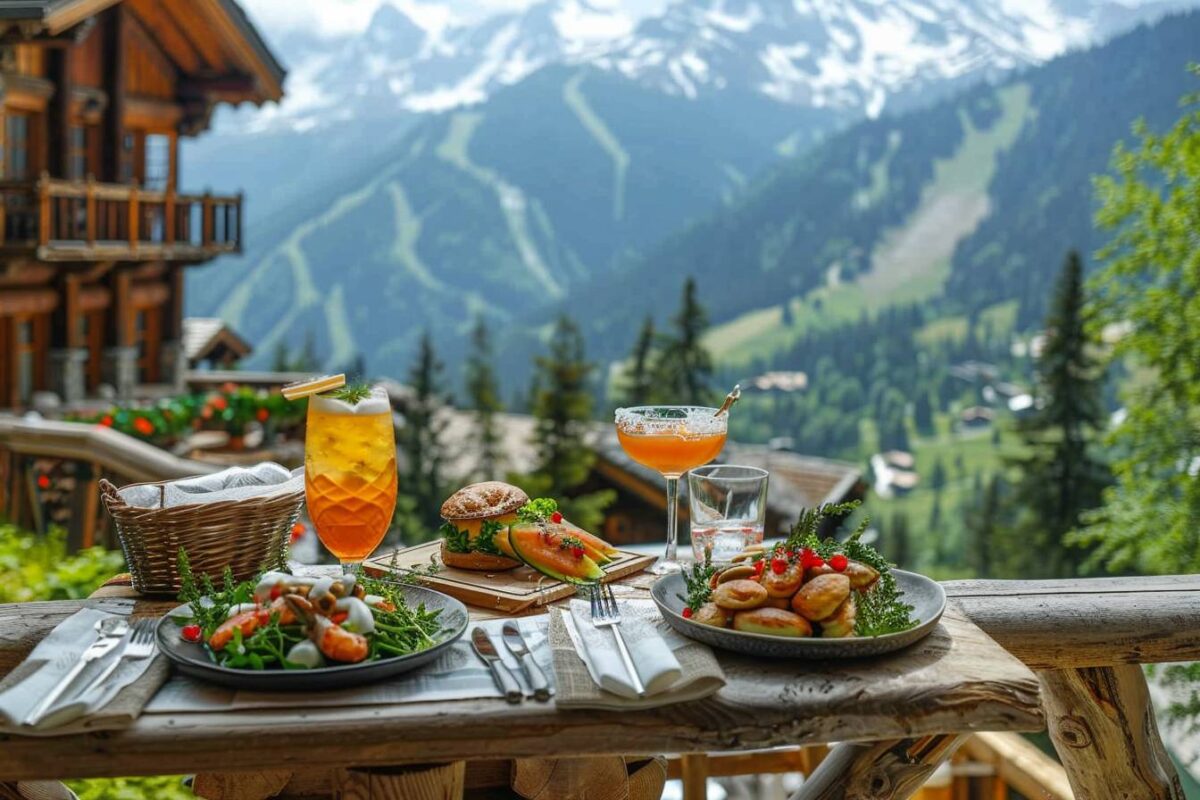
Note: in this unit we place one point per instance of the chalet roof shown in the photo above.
(242, 46)
(203, 336)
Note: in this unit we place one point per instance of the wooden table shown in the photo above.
(915, 707)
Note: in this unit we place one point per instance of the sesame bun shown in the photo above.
(474, 560)
(483, 500)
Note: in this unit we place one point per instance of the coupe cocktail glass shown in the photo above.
(350, 476)
(671, 440)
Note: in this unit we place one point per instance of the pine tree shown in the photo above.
(421, 444)
(899, 543)
(983, 523)
(923, 413)
(562, 406)
(638, 385)
(484, 396)
(1061, 478)
(684, 366)
(937, 476)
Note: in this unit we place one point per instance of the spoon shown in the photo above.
(730, 399)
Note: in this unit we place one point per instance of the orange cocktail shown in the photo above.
(671, 440)
(350, 472)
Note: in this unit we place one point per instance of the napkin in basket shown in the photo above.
(589, 672)
(114, 705)
(236, 483)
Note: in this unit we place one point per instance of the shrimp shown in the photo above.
(335, 642)
(249, 621)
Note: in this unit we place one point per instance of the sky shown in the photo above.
(335, 17)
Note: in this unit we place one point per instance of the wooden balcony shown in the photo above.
(61, 220)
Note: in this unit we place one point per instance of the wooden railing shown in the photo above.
(82, 220)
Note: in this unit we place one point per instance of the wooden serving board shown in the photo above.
(512, 590)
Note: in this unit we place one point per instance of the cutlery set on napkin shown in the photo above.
(94, 671)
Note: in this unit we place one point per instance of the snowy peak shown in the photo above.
(857, 56)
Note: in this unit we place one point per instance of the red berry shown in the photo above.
(687, 613)
(556, 517)
(817, 561)
(577, 551)
(276, 591)
(191, 633)
(839, 562)
(778, 566)
(758, 567)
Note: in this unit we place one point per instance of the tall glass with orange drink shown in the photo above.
(671, 440)
(350, 471)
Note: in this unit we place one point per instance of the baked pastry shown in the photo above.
(711, 614)
(783, 584)
(735, 573)
(773, 621)
(820, 597)
(841, 623)
(739, 595)
(862, 576)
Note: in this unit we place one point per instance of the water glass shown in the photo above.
(728, 509)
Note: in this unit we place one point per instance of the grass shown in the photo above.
(1001, 318)
(911, 263)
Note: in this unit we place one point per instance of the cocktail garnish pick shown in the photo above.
(294, 391)
(730, 399)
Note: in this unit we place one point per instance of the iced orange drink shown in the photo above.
(671, 440)
(350, 471)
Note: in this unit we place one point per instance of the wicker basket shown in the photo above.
(247, 536)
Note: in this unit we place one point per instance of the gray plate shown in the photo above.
(926, 596)
(192, 659)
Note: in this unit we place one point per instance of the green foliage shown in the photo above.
(562, 406)
(483, 397)
(352, 393)
(683, 369)
(537, 510)
(1151, 278)
(421, 443)
(1060, 476)
(985, 521)
(161, 788)
(34, 567)
(638, 386)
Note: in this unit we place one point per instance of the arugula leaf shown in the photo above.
(457, 541)
(538, 510)
(485, 542)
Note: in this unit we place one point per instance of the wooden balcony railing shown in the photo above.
(64, 220)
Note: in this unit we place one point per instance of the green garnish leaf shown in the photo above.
(352, 393)
(698, 581)
(457, 541)
(538, 510)
(486, 541)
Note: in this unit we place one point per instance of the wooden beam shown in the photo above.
(1019, 764)
(115, 50)
(1103, 728)
(435, 782)
(156, 18)
(58, 124)
(890, 770)
(1144, 620)
(67, 15)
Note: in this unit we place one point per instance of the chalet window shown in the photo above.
(26, 353)
(16, 138)
(128, 141)
(158, 161)
(77, 153)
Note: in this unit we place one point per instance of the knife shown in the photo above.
(504, 679)
(515, 642)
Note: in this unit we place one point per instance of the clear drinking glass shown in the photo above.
(671, 440)
(728, 507)
(350, 476)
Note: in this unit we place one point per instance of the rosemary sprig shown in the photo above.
(352, 393)
(698, 580)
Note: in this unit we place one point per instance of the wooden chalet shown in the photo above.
(94, 232)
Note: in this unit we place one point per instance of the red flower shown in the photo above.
(143, 426)
(206, 412)
(263, 415)
(106, 421)
(43, 482)
(219, 403)
(298, 530)
(228, 387)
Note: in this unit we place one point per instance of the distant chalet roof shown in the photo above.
(778, 381)
(249, 52)
(203, 336)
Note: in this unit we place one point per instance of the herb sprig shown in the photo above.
(699, 582)
(352, 393)
(538, 510)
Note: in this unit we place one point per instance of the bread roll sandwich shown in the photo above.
(475, 534)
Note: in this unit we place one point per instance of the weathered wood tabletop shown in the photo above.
(958, 680)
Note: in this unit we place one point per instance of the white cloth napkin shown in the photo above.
(656, 664)
(236, 483)
(114, 704)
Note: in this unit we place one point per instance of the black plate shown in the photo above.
(192, 660)
(926, 596)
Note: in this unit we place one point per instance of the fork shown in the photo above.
(139, 645)
(606, 614)
(107, 641)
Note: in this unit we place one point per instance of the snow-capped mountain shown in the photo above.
(856, 55)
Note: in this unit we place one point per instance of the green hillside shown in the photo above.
(495, 209)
